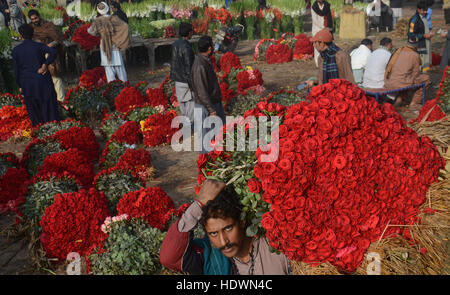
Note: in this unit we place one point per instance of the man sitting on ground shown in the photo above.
(334, 63)
(376, 65)
(359, 58)
(403, 70)
(225, 249)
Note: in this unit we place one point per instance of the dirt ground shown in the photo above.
(176, 172)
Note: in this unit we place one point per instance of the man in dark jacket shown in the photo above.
(419, 30)
(180, 70)
(32, 76)
(207, 95)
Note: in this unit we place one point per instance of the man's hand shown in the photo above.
(43, 69)
(210, 190)
(52, 44)
(310, 83)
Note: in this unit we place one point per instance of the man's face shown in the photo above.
(423, 12)
(225, 234)
(320, 46)
(35, 19)
(390, 46)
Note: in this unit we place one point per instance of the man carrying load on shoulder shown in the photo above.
(225, 249)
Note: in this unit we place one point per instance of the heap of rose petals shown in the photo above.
(347, 168)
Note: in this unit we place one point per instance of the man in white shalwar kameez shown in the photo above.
(114, 38)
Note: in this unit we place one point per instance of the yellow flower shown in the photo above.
(249, 68)
(26, 133)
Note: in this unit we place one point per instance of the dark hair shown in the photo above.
(185, 29)
(26, 31)
(204, 43)
(366, 42)
(422, 4)
(33, 12)
(385, 41)
(430, 3)
(225, 205)
(116, 5)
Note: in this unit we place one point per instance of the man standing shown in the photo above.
(47, 33)
(32, 76)
(376, 65)
(225, 249)
(403, 70)
(321, 18)
(419, 30)
(15, 14)
(397, 7)
(334, 63)
(207, 95)
(180, 70)
(115, 36)
(359, 58)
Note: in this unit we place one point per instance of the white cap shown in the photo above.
(103, 11)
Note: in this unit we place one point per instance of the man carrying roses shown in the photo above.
(225, 249)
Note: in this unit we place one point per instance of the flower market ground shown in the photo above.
(176, 172)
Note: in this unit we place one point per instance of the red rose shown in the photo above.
(254, 185)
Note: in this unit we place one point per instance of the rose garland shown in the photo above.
(248, 79)
(137, 162)
(157, 129)
(156, 97)
(81, 138)
(278, 53)
(72, 223)
(93, 78)
(128, 99)
(152, 204)
(129, 132)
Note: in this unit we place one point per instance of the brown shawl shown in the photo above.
(46, 33)
(394, 58)
(113, 31)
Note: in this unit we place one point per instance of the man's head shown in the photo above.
(221, 220)
(186, 30)
(322, 39)
(422, 7)
(205, 45)
(102, 8)
(386, 42)
(368, 43)
(34, 17)
(115, 6)
(26, 31)
(413, 41)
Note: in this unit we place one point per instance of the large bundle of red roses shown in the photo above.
(94, 77)
(129, 132)
(152, 204)
(248, 79)
(72, 161)
(156, 97)
(347, 168)
(86, 40)
(81, 138)
(278, 53)
(157, 129)
(129, 98)
(229, 61)
(72, 223)
(303, 47)
(138, 162)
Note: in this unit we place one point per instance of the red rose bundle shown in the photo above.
(94, 77)
(304, 48)
(129, 132)
(247, 79)
(72, 161)
(156, 97)
(138, 162)
(86, 40)
(174, 214)
(431, 111)
(72, 223)
(346, 168)
(278, 53)
(128, 99)
(157, 128)
(214, 63)
(228, 61)
(169, 32)
(152, 204)
(227, 93)
(72, 28)
(81, 138)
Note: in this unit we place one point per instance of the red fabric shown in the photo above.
(173, 248)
